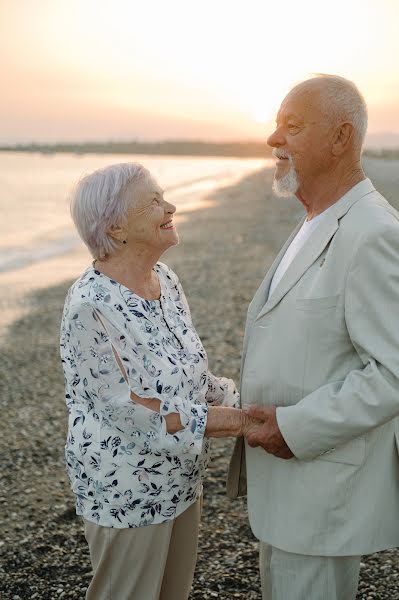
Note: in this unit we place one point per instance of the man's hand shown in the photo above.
(267, 434)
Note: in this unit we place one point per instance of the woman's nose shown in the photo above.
(170, 208)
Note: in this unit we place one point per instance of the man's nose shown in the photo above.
(276, 139)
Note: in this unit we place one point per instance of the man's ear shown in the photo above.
(343, 135)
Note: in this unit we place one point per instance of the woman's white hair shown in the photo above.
(99, 202)
(341, 101)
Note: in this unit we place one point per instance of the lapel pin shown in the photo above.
(322, 262)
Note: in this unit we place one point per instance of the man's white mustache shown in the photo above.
(281, 153)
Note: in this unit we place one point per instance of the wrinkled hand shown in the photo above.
(267, 434)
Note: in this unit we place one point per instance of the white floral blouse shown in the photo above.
(125, 469)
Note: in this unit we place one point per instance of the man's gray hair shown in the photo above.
(342, 101)
(99, 202)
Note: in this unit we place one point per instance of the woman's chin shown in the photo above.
(176, 239)
(172, 239)
(174, 236)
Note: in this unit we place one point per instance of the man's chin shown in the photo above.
(283, 192)
(286, 186)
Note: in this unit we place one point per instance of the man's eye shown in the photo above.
(293, 129)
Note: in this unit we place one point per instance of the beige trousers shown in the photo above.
(288, 576)
(155, 562)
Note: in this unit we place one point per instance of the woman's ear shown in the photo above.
(343, 136)
(117, 232)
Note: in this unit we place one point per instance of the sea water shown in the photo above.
(39, 246)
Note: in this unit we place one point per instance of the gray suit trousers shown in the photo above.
(289, 576)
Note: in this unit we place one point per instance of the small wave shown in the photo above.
(14, 258)
(182, 193)
(190, 183)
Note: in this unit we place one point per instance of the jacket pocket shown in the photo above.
(316, 303)
(351, 453)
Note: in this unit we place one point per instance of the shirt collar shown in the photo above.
(341, 206)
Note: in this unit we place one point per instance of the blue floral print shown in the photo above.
(125, 469)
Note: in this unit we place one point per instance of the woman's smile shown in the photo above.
(168, 225)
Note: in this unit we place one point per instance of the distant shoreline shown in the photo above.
(174, 148)
(167, 148)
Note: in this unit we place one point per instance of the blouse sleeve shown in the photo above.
(222, 392)
(100, 340)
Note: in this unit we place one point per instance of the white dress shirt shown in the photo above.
(297, 243)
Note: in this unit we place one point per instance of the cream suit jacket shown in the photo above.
(324, 348)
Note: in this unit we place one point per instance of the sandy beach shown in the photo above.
(226, 248)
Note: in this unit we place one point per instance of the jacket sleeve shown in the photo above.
(100, 338)
(368, 397)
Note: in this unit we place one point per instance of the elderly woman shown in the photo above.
(141, 400)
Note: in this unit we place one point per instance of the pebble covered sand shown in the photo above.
(225, 251)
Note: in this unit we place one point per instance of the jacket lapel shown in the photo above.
(262, 292)
(304, 259)
(313, 247)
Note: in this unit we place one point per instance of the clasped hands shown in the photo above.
(260, 428)
(258, 424)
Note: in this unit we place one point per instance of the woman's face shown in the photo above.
(150, 217)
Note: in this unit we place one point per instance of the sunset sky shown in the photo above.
(211, 69)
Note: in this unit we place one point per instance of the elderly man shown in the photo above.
(321, 360)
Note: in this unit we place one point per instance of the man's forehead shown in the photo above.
(299, 104)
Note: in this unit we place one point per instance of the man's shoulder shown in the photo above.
(371, 215)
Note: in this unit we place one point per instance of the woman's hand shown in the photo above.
(225, 421)
(249, 425)
(222, 421)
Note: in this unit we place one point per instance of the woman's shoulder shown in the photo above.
(86, 290)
